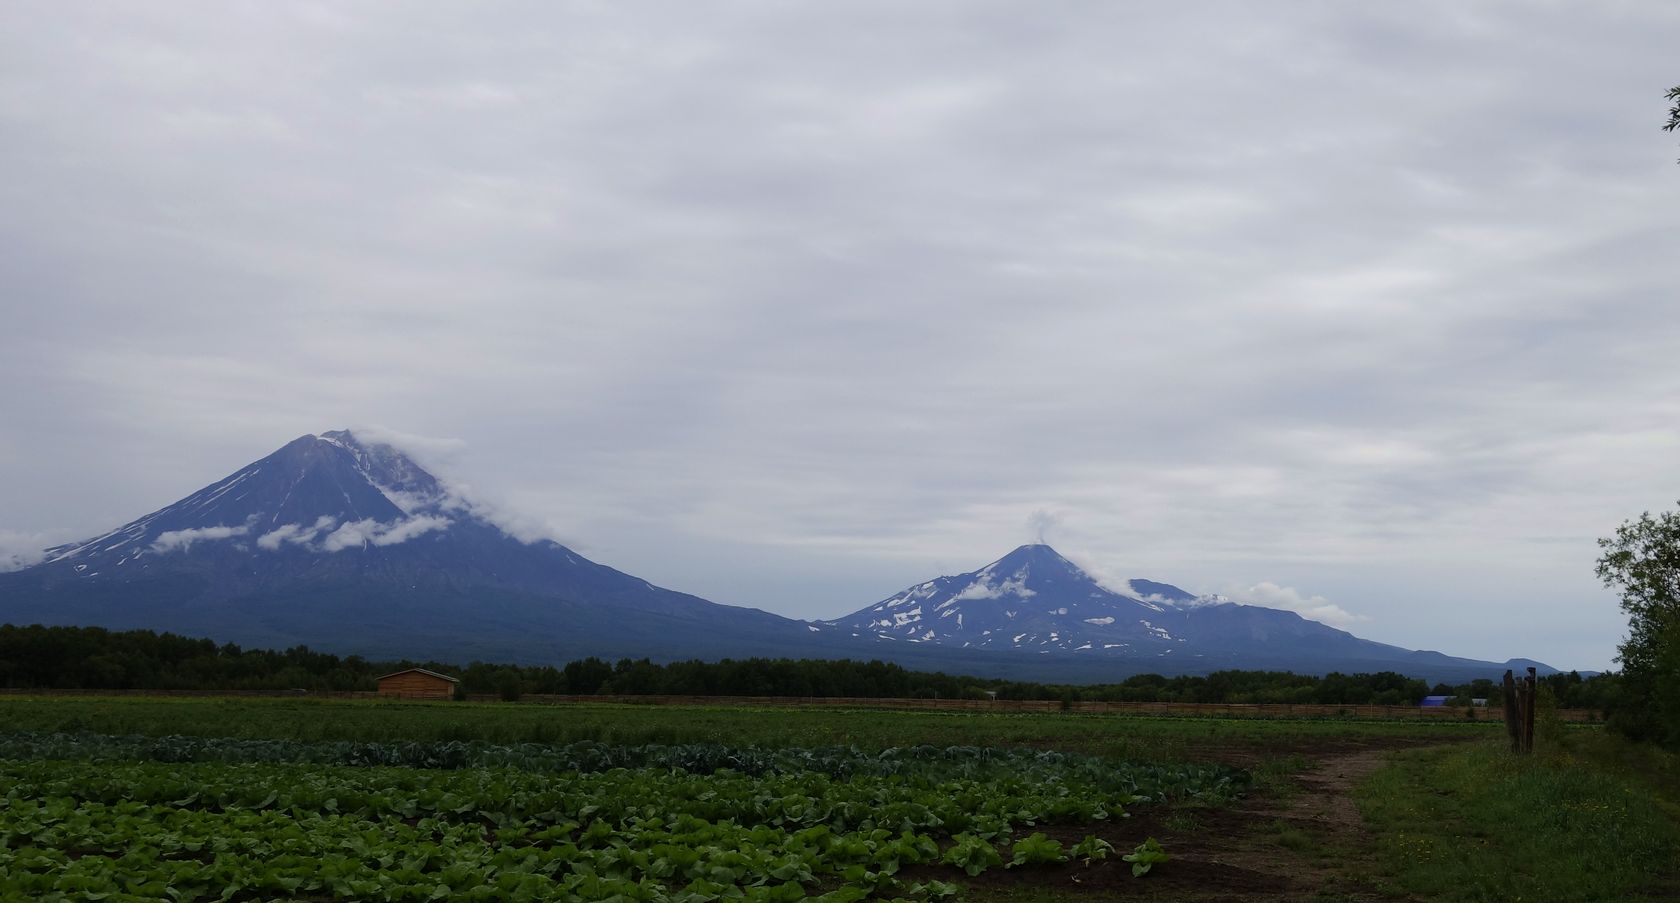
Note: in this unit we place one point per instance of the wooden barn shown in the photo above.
(418, 683)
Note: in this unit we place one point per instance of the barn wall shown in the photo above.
(416, 686)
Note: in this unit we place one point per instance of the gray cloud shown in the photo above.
(20, 550)
(793, 306)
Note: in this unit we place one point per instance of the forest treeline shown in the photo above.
(37, 657)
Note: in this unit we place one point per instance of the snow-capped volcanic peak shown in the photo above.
(1032, 598)
(405, 483)
(319, 493)
(344, 543)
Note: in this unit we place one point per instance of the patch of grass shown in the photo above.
(1292, 838)
(1474, 823)
(1182, 821)
(1275, 775)
(1657, 770)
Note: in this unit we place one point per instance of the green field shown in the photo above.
(1131, 736)
(256, 799)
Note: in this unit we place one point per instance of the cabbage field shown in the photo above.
(244, 799)
(87, 816)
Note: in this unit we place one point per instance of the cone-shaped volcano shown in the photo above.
(336, 542)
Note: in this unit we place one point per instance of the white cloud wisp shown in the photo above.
(1315, 608)
(370, 532)
(181, 540)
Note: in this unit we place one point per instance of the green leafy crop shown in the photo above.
(1036, 849)
(1146, 856)
(971, 854)
(1091, 849)
(86, 817)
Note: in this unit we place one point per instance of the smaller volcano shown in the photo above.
(1036, 601)
(1032, 598)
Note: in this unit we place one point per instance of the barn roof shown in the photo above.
(419, 671)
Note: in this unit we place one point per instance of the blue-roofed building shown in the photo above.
(1438, 701)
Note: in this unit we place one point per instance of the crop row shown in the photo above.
(1140, 780)
(155, 831)
(502, 797)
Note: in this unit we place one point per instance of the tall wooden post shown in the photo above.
(1513, 712)
(1529, 699)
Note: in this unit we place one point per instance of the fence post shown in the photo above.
(1530, 697)
(1513, 712)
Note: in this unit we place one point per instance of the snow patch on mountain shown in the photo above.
(1158, 631)
(901, 618)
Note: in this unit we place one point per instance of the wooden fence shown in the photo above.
(200, 694)
(1193, 709)
(1189, 709)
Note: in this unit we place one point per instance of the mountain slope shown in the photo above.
(1032, 598)
(1035, 600)
(331, 541)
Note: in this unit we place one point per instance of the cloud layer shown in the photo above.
(325, 535)
(20, 550)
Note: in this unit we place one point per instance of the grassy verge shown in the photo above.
(1589, 818)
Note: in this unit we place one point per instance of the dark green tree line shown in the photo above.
(95, 658)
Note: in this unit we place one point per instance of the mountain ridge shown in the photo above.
(349, 545)
(1034, 598)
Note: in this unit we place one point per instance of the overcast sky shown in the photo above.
(1367, 309)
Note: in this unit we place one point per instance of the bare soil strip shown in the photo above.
(1309, 843)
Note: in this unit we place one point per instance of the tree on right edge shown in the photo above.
(1642, 562)
(1674, 113)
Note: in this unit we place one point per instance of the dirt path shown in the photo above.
(1327, 791)
(1315, 838)
(1309, 843)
